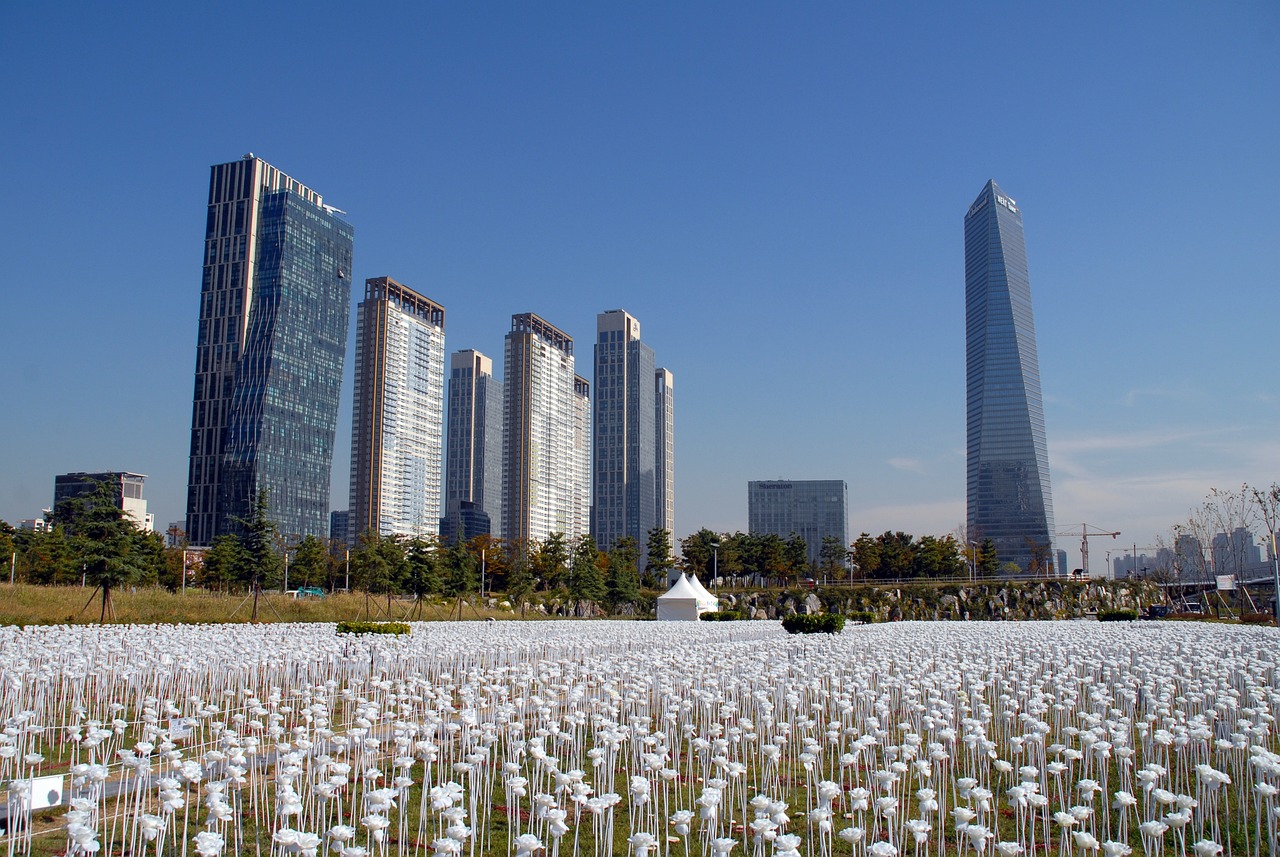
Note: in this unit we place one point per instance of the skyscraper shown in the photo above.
(545, 434)
(473, 448)
(624, 428)
(1008, 462)
(664, 443)
(274, 304)
(397, 423)
(813, 509)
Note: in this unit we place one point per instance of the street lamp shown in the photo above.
(973, 560)
(484, 551)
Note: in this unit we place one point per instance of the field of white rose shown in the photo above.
(594, 738)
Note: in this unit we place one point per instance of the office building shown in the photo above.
(812, 509)
(473, 448)
(545, 434)
(270, 346)
(1234, 552)
(624, 478)
(126, 488)
(664, 444)
(1009, 500)
(340, 527)
(397, 424)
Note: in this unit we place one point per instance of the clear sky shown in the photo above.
(775, 190)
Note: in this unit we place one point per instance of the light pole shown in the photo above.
(347, 585)
(973, 560)
(484, 552)
(184, 571)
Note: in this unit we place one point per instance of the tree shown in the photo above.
(310, 561)
(988, 560)
(586, 583)
(259, 536)
(549, 560)
(795, 557)
(458, 571)
(7, 550)
(48, 557)
(657, 557)
(623, 584)
(697, 551)
(865, 557)
(422, 577)
(1268, 503)
(519, 580)
(103, 536)
(833, 557)
(223, 563)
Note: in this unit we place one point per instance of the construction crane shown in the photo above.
(1085, 535)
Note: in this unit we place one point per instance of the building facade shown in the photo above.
(473, 448)
(664, 442)
(1009, 500)
(397, 424)
(125, 487)
(545, 463)
(624, 430)
(813, 509)
(270, 347)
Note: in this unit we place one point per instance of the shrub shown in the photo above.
(818, 623)
(373, 627)
(862, 617)
(1256, 618)
(720, 616)
(1117, 615)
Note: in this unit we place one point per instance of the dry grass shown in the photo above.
(25, 604)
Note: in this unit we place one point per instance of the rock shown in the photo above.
(812, 604)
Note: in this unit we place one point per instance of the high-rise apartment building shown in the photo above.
(473, 448)
(274, 305)
(1008, 461)
(664, 442)
(397, 425)
(545, 434)
(624, 478)
(813, 509)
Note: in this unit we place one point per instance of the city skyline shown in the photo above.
(776, 194)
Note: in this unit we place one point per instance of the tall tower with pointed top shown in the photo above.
(1008, 462)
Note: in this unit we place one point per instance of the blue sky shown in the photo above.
(775, 190)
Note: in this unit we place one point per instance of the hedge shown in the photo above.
(1117, 615)
(373, 627)
(720, 616)
(818, 623)
(864, 617)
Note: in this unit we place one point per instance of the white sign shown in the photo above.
(1226, 582)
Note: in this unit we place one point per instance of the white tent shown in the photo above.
(682, 602)
(706, 601)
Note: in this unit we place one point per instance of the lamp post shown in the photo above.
(484, 552)
(973, 560)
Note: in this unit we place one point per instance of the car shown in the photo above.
(308, 592)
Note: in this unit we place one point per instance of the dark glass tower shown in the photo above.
(274, 305)
(625, 421)
(1008, 462)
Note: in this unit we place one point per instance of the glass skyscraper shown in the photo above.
(397, 420)
(473, 448)
(271, 342)
(1008, 462)
(546, 435)
(624, 480)
(664, 443)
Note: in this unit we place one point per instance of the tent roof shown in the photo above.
(703, 595)
(680, 589)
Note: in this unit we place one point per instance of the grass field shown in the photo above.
(23, 604)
